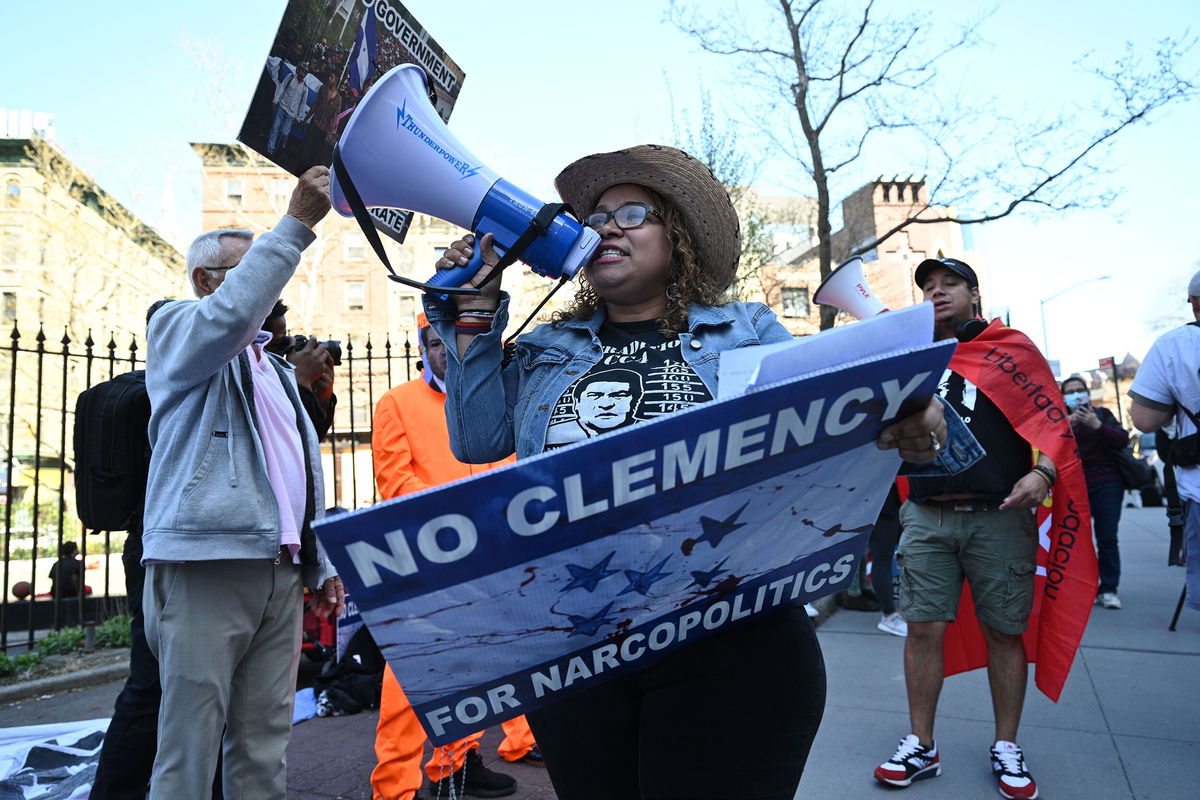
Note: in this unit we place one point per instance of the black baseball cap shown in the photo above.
(960, 268)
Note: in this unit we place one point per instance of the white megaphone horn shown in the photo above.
(846, 289)
(397, 153)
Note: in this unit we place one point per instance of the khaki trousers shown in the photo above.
(227, 638)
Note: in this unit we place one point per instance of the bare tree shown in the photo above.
(845, 79)
(1165, 307)
(715, 142)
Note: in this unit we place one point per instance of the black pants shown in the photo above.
(131, 742)
(731, 716)
(884, 538)
(1105, 501)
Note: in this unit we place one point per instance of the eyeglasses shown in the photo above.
(220, 269)
(626, 216)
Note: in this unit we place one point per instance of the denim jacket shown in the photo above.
(492, 412)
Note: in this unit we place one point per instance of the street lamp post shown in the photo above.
(1045, 338)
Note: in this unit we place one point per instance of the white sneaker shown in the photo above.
(893, 623)
(1109, 600)
(912, 762)
(1012, 775)
(811, 610)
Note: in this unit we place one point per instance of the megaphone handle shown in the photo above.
(457, 276)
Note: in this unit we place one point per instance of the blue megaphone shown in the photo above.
(397, 153)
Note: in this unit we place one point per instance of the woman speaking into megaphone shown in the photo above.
(731, 715)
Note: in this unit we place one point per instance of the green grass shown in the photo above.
(113, 632)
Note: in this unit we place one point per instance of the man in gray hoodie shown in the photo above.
(235, 482)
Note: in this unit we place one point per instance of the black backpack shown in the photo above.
(112, 452)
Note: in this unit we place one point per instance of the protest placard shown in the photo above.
(324, 58)
(495, 595)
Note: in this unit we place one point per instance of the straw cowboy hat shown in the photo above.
(688, 182)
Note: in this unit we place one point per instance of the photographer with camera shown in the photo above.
(314, 362)
(1100, 435)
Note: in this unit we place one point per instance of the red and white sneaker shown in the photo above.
(912, 762)
(1008, 765)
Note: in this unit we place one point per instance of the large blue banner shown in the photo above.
(496, 595)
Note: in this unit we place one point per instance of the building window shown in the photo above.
(795, 302)
(10, 306)
(233, 191)
(354, 247)
(408, 312)
(356, 295)
(281, 189)
(12, 193)
(10, 248)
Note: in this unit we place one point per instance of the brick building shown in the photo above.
(872, 210)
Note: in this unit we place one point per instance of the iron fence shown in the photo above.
(43, 382)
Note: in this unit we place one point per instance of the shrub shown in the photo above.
(67, 640)
(12, 665)
(114, 632)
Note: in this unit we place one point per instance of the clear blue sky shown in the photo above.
(132, 83)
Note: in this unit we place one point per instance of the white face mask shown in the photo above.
(1076, 399)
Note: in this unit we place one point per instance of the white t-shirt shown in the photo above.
(1169, 378)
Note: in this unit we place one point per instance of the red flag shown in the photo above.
(1006, 366)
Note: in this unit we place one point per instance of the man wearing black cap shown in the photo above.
(976, 524)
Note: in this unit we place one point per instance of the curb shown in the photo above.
(67, 681)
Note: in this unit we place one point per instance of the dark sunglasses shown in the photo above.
(626, 216)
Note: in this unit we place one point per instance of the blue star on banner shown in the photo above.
(703, 578)
(716, 530)
(641, 582)
(589, 577)
(589, 626)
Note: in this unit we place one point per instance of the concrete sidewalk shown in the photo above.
(1127, 726)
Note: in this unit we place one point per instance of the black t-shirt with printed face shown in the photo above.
(641, 375)
(1008, 458)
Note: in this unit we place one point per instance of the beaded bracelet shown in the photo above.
(1046, 474)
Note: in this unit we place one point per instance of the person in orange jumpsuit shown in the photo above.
(411, 445)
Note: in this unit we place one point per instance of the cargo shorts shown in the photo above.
(996, 551)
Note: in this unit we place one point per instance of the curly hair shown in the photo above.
(688, 282)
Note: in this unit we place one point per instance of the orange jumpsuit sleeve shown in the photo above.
(394, 474)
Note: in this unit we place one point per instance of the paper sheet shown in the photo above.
(747, 367)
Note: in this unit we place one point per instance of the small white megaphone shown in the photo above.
(846, 289)
(399, 154)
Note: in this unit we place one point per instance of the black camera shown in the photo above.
(333, 346)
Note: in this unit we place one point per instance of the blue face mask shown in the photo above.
(1076, 399)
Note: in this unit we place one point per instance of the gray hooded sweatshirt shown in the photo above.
(208, 495)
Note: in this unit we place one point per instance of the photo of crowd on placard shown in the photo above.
(326, 55)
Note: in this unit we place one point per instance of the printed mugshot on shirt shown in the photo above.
(960, 393)
(641, 375)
